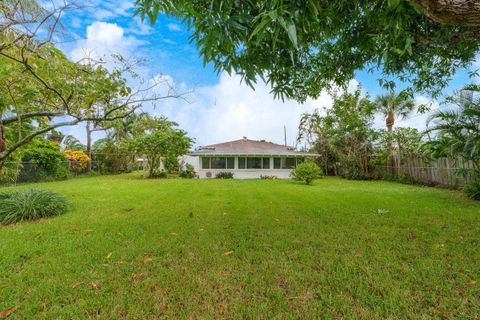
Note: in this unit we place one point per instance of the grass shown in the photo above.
(150, 249)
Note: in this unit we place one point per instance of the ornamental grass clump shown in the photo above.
(30, 205)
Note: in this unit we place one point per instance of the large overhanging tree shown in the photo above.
(302, 47)
(42, 89)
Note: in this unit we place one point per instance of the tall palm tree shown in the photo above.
(393, 105)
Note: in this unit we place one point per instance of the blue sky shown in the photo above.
(219, 107)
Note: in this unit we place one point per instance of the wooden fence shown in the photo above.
(440, 171)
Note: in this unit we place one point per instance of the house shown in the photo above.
(246, 159)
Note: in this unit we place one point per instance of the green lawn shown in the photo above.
(148, 249)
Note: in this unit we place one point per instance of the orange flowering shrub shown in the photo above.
(78, 160)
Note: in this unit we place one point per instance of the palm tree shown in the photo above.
(393, 105)
(458, 130)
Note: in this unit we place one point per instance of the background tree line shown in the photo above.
(349, 146)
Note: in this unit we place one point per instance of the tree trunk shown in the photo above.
(151, 163)
(452, 12)
(390, 120)
(89, 146)
(3, 145)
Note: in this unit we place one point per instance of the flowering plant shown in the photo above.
(78, 160)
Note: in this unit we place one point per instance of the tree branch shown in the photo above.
(31, 115)
(31, 136)
(452, 12)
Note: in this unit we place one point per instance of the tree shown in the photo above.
(72, 143)
(40, 86)
(405, 142)
(344, 133)
(313, 131)
(302, 47)
(392, 106)
(349, 123)
(160, 139)
(458, 130)
(307, 172)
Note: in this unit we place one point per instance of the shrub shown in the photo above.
(171, 164)
(472, 190)
(114, 158)
(189, 172)
(224, 175)
(9, 173)
(30, 204)
(42, 160)
(307, 172)
(267, 177)
(78, 160)
(161, 174)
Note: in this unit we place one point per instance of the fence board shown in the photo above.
(441, 171)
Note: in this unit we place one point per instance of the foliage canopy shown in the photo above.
(302, 47)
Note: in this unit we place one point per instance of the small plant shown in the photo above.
(307, 172)
(224, 175)
(267, 177)
(189, 172)
(472, 190)
(30, 204)
(382, 211)
(162, 174)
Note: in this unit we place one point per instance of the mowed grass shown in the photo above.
(257, 249)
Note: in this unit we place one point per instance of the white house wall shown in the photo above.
(195, 161)
(247, 173)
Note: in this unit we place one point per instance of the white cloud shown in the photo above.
(174, 27)
(104, 39)
(230, 110)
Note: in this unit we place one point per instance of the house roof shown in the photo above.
(248, 147)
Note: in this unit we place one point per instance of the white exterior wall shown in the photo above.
(247, 173)
(195, 161)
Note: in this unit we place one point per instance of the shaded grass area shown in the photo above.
(149, 249)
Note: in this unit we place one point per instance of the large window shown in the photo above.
(230, 163)
(218, 163)
(283, 163)
(205, 163)
(253, 163)
(242, 163)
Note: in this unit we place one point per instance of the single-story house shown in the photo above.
(246, 159)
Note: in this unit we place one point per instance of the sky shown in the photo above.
(218, 107)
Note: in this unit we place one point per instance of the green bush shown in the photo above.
(472, 190)
(30, 204)
(161, 174)
(114, 158)
(224, 175)
(307, 172)
(42, 160)
(189, 172)
(171, 164)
